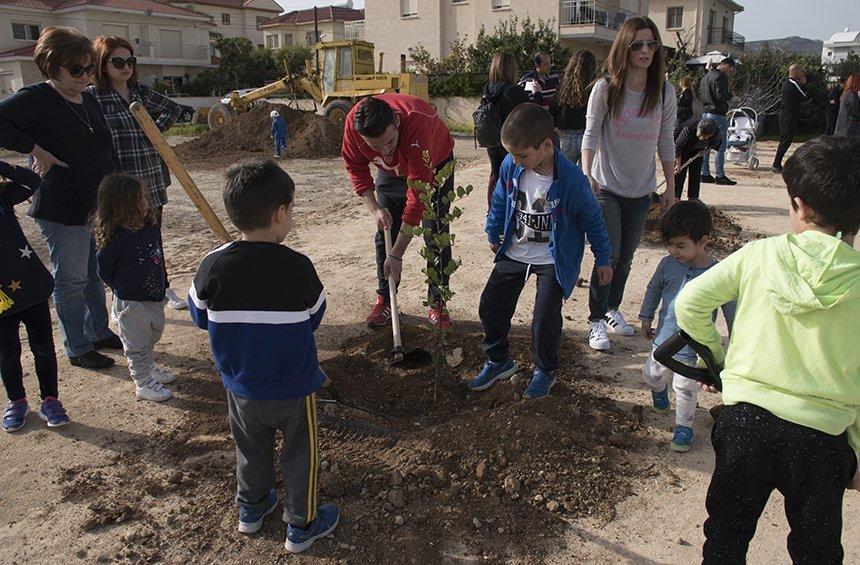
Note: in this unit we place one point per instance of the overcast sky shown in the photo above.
(761, 19)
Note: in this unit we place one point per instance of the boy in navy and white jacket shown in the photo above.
(261, 303)
(541, 211)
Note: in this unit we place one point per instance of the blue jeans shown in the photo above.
(280, 145)
(720, 157)
(571, 144)
(625, 221)
(79, 295)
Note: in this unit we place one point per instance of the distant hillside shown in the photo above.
(793, 44)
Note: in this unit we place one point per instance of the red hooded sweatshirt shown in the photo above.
(420, 128)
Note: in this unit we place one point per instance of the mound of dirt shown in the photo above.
(726, 237)
(466, 477)
(310, 136)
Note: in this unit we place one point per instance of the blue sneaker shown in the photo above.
(540, 386)
(250, 521)
(15, 415)
(493, 372)
(682, 440)
(52, 411)
(326, 521)
(660, 401)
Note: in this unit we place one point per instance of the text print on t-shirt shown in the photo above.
(630, 125)
(533, 214)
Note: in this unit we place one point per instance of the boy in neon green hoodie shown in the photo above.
(791, 382)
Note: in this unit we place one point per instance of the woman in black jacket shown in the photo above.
(571, 102)
(62, 128)
(503, 92)
(685, 102)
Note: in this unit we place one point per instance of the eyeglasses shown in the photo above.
(119, 62)
(78, 71)
(637, 46)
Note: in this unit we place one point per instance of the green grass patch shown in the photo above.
(460, 127)
(186, 129)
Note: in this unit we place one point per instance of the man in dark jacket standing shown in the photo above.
(792, 97)
(715, 93)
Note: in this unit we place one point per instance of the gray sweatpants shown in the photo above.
(253, 424)
(140, 327)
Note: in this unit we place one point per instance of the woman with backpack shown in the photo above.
(503, 95)
(571, 101)
(631, 115)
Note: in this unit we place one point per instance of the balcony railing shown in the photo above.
(159, 50)
(590, 12)
(725, 36)
(353, 30)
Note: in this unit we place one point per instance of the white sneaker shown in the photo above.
(616, 321)
(597, 338)
(162, 375)
(153, 390)
(173, 301)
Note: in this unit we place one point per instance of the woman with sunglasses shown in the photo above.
(61, 127)
(116, 87)
(631, 115)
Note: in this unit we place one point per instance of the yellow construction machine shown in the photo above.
(343, 73)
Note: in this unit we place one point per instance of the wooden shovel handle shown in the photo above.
(392, 297)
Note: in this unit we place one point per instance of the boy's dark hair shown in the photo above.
(373, 117)
(706, 127)
(825, 173)
(528, 125)
(688, 218)
(254, 189)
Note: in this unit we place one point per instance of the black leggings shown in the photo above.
(40, 333)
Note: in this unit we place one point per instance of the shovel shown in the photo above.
(684, 166)
(399, 356)
(708, 376)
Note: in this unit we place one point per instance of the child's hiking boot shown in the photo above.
(540, 386)
(173, 300)
(162, 375)
(660, 401)
(682, 440)
(492, 372)
(15, 415)
(151, 389)
(616, 321)
(439, 316)
(380, 314)
(326, 521)
(597, 338)
(250, 521)
(53, 413)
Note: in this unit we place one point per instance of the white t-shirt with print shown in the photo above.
(533, 221)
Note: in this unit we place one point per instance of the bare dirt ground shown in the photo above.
(582, 476)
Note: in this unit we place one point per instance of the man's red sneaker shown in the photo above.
(439, 317)
(380, 314)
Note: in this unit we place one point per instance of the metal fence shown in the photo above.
(725, 36)
(590, 12)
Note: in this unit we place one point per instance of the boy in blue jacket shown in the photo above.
(541, 211)
(279, 133)
(261, 303)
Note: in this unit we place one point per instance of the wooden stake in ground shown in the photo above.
(177, 168)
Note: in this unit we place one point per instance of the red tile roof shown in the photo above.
(324, 14)
(238, 4)
(138, 5)
(27, 51)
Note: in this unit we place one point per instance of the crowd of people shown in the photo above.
(575, 162)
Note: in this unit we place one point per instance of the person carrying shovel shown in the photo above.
(695, 137)
(393, 131)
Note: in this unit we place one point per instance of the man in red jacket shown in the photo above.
(392, 131)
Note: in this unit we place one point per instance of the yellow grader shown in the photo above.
(344, 75)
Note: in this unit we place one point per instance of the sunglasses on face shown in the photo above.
(78, 71)
(119, 62)
(637, 46)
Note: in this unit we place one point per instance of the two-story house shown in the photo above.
(235, 18)
(839, 45)
(171, 43)
(396, 25)
(334, 23)
(699, 26)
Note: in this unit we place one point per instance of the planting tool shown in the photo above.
(708, 376)
(177, 168)
(399, 355)
(684, 166)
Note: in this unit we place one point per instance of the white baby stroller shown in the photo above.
(741, 146)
